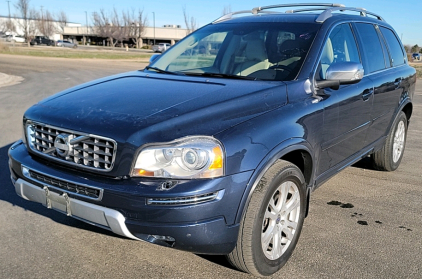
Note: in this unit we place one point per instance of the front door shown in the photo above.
(347, 111)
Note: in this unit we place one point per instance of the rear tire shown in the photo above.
(388, 158)
(272, 222)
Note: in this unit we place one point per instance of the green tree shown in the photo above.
(415, 48)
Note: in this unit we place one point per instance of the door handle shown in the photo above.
(367, 93)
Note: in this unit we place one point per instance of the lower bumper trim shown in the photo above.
(90, 213)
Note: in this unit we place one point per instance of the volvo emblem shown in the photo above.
(62, 145)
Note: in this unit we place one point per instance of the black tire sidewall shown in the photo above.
(264, 265)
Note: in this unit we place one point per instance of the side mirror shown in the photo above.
(341, 73)
(153, 58)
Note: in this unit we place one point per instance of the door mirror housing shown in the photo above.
(341, 73)
(153, 58)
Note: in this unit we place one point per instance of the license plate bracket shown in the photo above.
(57, 201)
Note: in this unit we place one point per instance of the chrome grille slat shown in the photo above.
(44, 139)
(92, 152)
(45, 132)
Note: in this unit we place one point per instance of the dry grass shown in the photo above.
(3, 47)
(74, 53)
(418, 67)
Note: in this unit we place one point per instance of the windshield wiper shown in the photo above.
(158, 70)
(220, 75)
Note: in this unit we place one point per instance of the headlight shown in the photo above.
(186, 158)
(29, 135)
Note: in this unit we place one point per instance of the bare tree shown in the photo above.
(102, 25)
(62, 20)
(26, 22)
(7, 26)
(227, 10)
(118, 27)
(44, 22)
(190, 23)
(136, 23)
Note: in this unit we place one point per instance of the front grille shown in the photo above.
(80, 190)
(85, 150)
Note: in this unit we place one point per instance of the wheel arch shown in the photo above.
(296, 151)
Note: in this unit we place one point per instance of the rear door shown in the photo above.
(384, 57)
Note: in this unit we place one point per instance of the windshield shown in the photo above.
(260, 50)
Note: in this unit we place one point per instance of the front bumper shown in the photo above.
(124, 205)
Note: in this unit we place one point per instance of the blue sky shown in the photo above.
(405, 17)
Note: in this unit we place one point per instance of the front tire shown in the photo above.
(272, 222)
(388, 158)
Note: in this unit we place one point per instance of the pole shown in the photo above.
(43, 27)
(8, 4)
(86, 18)
(153, 13)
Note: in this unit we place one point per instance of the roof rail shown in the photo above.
(327, 9)
(230, 15)
(328, 13)
(259, 9)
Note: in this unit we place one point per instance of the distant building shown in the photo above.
(17, 24)
(167, 34)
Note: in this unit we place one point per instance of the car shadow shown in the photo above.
(365, 163)
(8, 194)
(219, 260)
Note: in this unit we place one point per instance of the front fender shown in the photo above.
(290, 145)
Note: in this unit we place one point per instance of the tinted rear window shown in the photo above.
(394, 47)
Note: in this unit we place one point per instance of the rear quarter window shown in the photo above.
(394, 47)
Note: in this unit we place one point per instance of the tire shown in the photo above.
(388, 158)
(283, 184)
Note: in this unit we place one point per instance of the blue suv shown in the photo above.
(217, 145)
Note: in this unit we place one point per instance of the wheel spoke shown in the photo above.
(278, 248)
(267, 237)
(291, 224)
(272, 206)
(270, 215)
(289, 233)
(284, 190)
(293, 203)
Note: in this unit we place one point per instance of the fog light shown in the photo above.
(163, 238)
(186, 200)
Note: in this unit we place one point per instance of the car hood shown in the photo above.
(138, 107)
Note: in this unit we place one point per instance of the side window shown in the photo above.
(340, 47)
(396, 51)
(371, 47)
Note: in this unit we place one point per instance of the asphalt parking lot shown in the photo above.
(362, 223)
